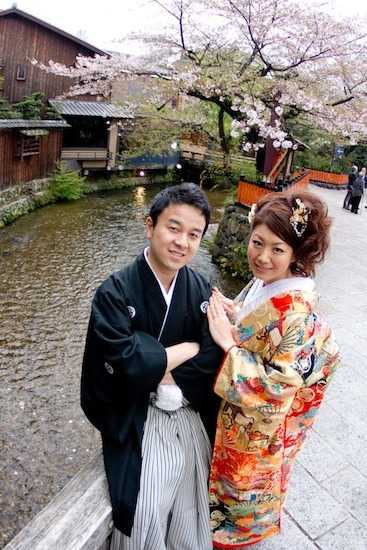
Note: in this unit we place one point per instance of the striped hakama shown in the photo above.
(172, 510)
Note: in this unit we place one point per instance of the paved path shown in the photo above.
(326, 506)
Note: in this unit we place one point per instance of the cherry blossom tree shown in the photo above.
(274, 68)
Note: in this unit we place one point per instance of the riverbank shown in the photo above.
(21, 199)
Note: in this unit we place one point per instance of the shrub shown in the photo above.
(226, 175)
(66, 185)
(235, 263)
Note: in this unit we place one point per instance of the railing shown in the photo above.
(85, 153)
(250, 192)
(201, 156)
(78, 518)
(328, 177)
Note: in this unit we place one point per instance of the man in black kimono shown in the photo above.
(147, 377)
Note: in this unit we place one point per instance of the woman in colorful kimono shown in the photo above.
(279, 358)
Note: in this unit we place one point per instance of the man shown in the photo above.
(148, 370)
(352, 176)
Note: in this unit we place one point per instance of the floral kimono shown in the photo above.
(272, 384)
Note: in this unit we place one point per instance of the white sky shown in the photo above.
(108, 20)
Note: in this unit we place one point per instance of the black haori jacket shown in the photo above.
(124, 362)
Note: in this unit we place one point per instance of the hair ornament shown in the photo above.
(252, 213)
(299, 218)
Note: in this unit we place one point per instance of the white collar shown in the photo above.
(166, 295)
(258, 293)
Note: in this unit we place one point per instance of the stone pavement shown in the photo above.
(326, 507)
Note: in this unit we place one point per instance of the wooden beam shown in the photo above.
(78, 518)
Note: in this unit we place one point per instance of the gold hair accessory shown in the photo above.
(299, 218)
(252, 213)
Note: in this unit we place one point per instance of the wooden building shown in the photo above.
(93, 138)
(23, 37)
(28, 149)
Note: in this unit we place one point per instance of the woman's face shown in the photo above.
(269, 257)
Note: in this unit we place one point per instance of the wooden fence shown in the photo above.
(78, 518)
(250, 192)
(201, 157)
(317, 176)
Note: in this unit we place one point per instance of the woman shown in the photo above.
(279, 358)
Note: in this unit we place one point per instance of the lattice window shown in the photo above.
(31, 146)
(26, 146)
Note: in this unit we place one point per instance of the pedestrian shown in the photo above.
(365, 176)
(357, 192)
(147, 377)
(351, 177)
(280, 355)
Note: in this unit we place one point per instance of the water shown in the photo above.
(51, 263)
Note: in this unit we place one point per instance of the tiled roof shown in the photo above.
(88, 108)
(20, 124)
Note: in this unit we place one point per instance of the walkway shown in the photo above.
(326, 507)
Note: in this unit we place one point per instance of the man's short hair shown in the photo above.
(183, 193)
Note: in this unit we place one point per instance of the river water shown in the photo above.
(51, 263)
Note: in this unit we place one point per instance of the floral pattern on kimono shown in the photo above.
(272, 384)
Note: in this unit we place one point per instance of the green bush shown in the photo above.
(249, 171)
(226, 175)
(321, 161)
(235, 263)
(66, 185)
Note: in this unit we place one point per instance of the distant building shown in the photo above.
(23, 37)
(93, 137)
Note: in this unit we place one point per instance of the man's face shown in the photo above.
(174, 239)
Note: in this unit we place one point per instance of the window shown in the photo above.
(21, 72)
(26, 146)
(31, 146)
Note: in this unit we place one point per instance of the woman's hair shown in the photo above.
(309, 238)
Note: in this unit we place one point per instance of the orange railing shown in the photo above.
(250, 192)
(328, 177)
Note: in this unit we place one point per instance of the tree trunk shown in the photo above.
(223, 139)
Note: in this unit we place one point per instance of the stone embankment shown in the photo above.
(22, 199)
(230, 245)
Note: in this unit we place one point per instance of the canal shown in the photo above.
(51, 263)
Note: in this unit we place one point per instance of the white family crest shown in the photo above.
(132, 311)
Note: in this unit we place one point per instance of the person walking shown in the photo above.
(280, 356)
(352, 176)
(147, 377)
(357, 191)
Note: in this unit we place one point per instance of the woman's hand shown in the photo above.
(219, 325)
(226, 303)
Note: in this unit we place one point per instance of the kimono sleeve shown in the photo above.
(262, 375)
(202, 368)
(196, 377)
(119, 362)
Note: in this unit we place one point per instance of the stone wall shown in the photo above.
(21, 199)
(230, 244)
